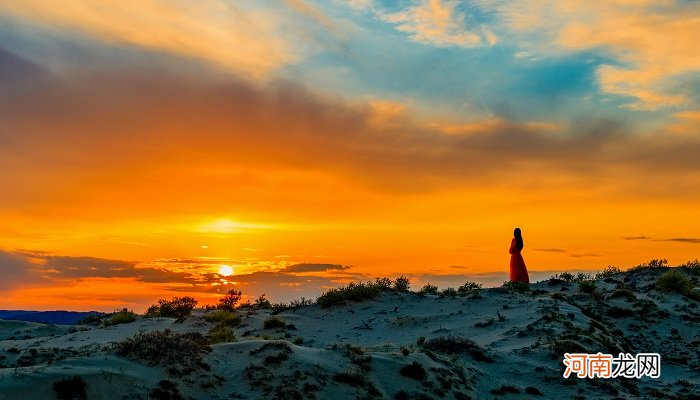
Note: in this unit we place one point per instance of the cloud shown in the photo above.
(438, 22)
(651, 45)
(637, 238)
(683, 240)
(247, 41)
(551, 250)
(309, 267)
(65, 135)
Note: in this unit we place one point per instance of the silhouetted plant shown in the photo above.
(262, 302)
(428, 289)
(383, 283)
(515, 286)
(448, 292)
(123, 316)
(229, 300)
(608, 272)
(70, 389)
(402, 284)
(651, 264)
(355, 292)
(292, 305)
(564, 276)
(469, 287)
(178, 307)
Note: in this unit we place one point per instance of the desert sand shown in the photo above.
(498, 343)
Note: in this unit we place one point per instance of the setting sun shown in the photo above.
(225, 270)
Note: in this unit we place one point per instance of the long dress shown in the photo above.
(518, 271)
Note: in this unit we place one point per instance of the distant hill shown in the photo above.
(46, 317)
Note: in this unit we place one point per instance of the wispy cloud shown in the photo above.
(651, 45)
(246, 41)
(438, 22)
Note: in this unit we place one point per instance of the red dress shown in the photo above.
(518, 271)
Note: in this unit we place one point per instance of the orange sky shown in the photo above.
(135, 162)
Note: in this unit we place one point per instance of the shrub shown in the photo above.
(383, 283)
(274, 322)
(429, 289)
(693, 294)
(94, 319)
(166, 390)
(164, 347)
(651, 264)
(469, 287)
(292, 305)
(355, 292)
(402, 284)
(587, 286)
(70, 389)
(229, 300)
(123, 316)
(178, 307)
(457, 345)
(693, 266)
(626, 293)
(674, 281)
(414, 370)
(222, 317)
(515, 286)
(262, 302)
(220, 334)
(564, 276)
(608, 272)
(449, 292)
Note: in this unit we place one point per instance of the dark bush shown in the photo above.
(70, 389)
(274, 322)
(651, 264)
(123, 316)
(586, 286)
(355, 292)
(608, 272)
(469, 287)
(383, 283)
(448, 292)
(414, 370)
(262, 302)
(178, 307)
(229, 300)
(402, 284)
(164, 347)
(457, 345)
(428, 289)
(515, 286)
(674, 281)
(221, 333)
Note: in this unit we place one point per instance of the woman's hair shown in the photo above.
(518, 238)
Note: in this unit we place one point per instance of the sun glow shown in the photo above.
(225, 270)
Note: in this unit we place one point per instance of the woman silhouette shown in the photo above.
(518, 271)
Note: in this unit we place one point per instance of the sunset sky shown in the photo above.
(147, 146)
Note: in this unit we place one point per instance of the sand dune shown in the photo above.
(500, 344)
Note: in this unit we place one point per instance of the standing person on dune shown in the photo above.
(518, 271)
